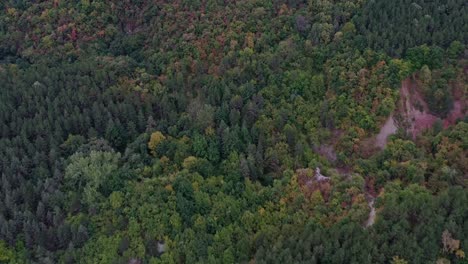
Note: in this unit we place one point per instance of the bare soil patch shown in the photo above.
(414, 111)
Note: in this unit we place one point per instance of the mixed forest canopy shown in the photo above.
(209, 131)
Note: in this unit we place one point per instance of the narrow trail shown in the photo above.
(371, 219)
(370, 196)
(387, 129)
(411, 114)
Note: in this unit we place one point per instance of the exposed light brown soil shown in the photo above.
(415, 113)
(413, 109)
(387, 129)
(372, 214)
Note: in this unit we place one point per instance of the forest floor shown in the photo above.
(372, 214)
(387, 129)
(327, 151)
(413, 115)
(415, 111)
(460, 106)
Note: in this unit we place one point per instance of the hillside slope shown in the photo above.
(153, 131)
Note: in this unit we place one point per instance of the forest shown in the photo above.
(248, 131)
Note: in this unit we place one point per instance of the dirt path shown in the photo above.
(371, 219)
(387, 129)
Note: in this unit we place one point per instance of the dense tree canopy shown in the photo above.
(190, 131)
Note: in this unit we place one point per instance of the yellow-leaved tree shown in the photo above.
(155, 139)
